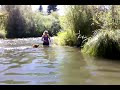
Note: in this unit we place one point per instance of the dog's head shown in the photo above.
(35, 46)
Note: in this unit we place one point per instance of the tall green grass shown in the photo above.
(2, 34)
(105, 44)
(3, 19)
(77, 18)
(66, 38)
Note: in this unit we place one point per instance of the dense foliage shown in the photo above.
(78, 19)
(22, 22)
(51, 8)
(94, 28)
(105, 44)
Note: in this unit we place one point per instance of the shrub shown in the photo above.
(78, 18)
(66, 38)
(105, 44)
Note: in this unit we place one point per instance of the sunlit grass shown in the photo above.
(2, 34)
(66, 38)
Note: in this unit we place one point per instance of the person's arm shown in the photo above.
(49, 38)
(42, 38)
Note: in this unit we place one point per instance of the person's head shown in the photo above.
(45, 32)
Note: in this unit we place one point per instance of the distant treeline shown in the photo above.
(21, 22)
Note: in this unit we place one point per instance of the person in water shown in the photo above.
(46, 38)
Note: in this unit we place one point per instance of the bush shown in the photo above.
(105, 44)
(2, 34)
(46, 22)
(66, 38)
(78, 18)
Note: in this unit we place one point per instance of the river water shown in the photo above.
(21, 64)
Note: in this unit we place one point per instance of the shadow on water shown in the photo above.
(77, 69)
(73, 70)
(103, 71)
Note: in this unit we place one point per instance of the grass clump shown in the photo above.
(105, 44)
(2, 33)
(66, 38)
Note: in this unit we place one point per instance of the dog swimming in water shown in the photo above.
(35, 46)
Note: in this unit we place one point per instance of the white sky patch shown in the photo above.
(35, 7)
(59, 7)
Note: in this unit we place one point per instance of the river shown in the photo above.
(21, 64)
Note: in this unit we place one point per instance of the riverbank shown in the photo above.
(105, 44)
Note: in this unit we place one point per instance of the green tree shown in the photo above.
(40, 8)
(51, 8)
(16, 23)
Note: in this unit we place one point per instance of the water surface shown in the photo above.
(54, 65)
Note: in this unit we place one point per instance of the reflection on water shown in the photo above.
(22, 64)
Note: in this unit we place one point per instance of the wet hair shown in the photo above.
(45, 32)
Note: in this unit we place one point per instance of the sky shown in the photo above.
(60, 7)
